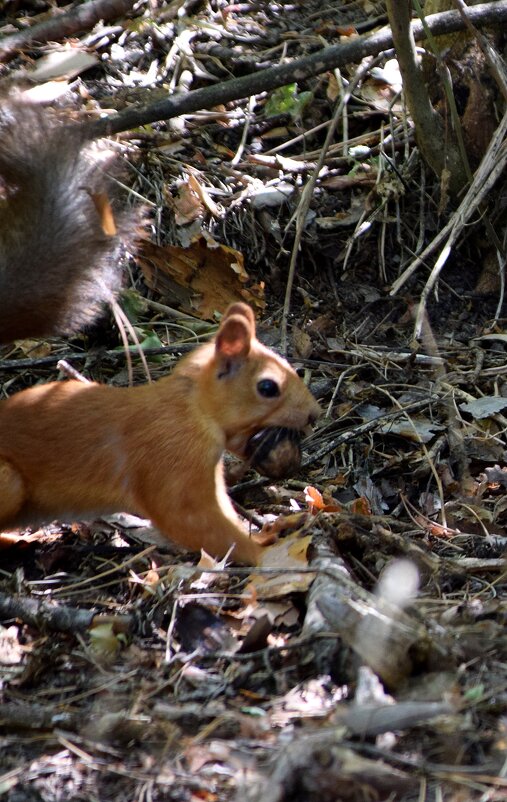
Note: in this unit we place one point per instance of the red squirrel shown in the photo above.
(76, 449)
(73, 449)
(58, 258)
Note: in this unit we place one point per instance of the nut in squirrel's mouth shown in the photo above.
(275, 451)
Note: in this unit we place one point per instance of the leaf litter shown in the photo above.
(365, 658)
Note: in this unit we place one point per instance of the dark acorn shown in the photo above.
(275, 452)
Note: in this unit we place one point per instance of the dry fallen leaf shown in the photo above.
(289, 556)
(317, 503)
(187, 204)
(67, 63)
(35, 349)
(204, 279)
(361, 506)
(302, 342)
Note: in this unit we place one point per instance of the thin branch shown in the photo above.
(490, 169)
(301, 212)
(329, 58)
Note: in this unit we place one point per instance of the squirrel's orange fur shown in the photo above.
(78, 450)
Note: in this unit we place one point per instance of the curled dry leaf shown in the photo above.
(317, 503)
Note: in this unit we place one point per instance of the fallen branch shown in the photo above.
(384, 637)
(49, 616)
(330, 58)
(68, 23)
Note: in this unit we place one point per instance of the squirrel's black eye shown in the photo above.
(268, 388)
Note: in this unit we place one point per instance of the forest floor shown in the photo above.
(364, 660)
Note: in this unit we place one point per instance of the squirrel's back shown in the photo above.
(57, 264)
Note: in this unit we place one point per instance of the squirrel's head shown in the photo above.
(247, 387)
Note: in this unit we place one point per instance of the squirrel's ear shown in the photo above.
(241, 309)
(234, 335)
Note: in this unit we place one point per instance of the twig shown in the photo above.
(361, 429)
(302, 209)
(68, 370)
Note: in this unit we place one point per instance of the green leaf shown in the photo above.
(133, 304)
(286, 100)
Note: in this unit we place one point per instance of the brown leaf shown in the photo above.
(203, 279)
(302, 342)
